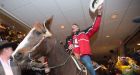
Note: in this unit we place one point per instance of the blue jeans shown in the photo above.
(85, 59)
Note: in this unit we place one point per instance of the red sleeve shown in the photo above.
(94, 28)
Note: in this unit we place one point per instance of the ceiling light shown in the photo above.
(62, 26)
(114, 16)
(138, 44)
(107, 36)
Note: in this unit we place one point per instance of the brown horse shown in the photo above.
(40, 42)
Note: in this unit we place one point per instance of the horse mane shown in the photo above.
(55, 45)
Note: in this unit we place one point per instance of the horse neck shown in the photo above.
(57, 55)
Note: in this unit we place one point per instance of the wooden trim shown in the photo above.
(14, 21)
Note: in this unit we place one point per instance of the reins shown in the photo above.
(56, 66)
(51, 67)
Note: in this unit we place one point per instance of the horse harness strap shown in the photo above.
(62, 64)
(81, 68)
(29, 56)
(75, 61)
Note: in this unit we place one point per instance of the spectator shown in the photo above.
(126, 65)
(136, 56)
(8, 66)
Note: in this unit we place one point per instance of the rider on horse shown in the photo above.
(79, 40)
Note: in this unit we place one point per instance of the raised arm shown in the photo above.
(96, 24)
(94, 28)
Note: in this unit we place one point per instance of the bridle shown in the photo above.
(44, 36)
(56, 66)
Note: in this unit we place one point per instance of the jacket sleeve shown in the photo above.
(94, 28)
(68, 42)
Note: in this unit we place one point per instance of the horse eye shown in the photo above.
(38, 33)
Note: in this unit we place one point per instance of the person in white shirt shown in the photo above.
(7, 66)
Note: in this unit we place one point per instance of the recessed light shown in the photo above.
(114, 16)
(62, 26)
(107, 36)
(138, 44)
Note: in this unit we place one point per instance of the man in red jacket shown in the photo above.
(79, 42)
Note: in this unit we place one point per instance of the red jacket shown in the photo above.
(81, 39)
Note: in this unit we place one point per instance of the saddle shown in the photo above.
(78, 64)
(81, 66)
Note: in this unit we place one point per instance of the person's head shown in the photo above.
(7, 48)
(124, 60)
(75, 28)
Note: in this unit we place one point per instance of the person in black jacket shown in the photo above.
(136, 56)
(8, 66)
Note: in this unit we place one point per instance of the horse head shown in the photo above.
(33, 38)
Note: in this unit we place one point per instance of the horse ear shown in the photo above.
(48, 23)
